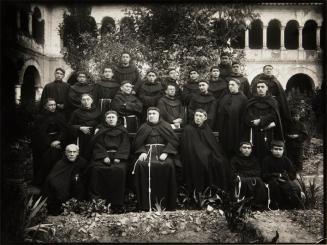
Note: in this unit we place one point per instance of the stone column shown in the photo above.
(29, 15)
(318, 37)
(300, 37)
(246, 38)
(264, 39)
(18, 24)
(282, 38)
(18, 95)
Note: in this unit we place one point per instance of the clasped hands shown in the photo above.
(256, 122)
(162, 157)
(85, 130)
(107, 161)
(56, 144)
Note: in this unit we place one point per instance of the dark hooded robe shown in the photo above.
(206, 102)
(204, 164)
(244, 83)
(225, 70)
(57, 90)
(156, 139)
(104, 91)
(189, 90)
(87, 118)
(230, 121)
(280, 174)
(66, 180)
(149, 94)
(130, 73)
(170, 109)
(248, 171)
(295, 146)
(75, 94)
(218, 88)
(129, 108)
(266, 109)
(277, 91)
(108, 181)
(48, 127)
(170, 81)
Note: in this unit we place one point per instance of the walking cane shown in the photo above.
(149, 164)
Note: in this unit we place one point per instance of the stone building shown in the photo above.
(287, 36)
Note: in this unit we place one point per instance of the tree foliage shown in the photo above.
(189, 34)
(79, 32)
(158, 36)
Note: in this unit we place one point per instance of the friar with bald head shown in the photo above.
(66, 179)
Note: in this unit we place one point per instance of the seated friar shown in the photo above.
(171, 108)
(107, 172)
(66, 180)
(278, 172)
(246, 172)
(128, 106)
(156, 145)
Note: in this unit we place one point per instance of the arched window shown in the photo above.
(31, 78)
(24, 20)
(300, 83)
(309, 35)
(292, 35)
(107, 25)
(255, 35)
(273, 34)
(37, 26)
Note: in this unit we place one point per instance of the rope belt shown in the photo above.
(111, 151)
(149, 166)
(154, 145)
(238, 192)
(269, 200)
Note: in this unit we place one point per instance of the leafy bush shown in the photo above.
(36, 213)
(235, 211)
(303, 103)
(311, 193)
(87, 208)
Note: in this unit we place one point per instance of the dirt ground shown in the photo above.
(178, 226)
(293, 226)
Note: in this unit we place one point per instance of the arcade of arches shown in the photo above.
(276, 36)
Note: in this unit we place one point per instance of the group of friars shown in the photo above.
(155, 135)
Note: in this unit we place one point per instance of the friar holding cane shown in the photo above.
(154, 170)
(262, 119)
